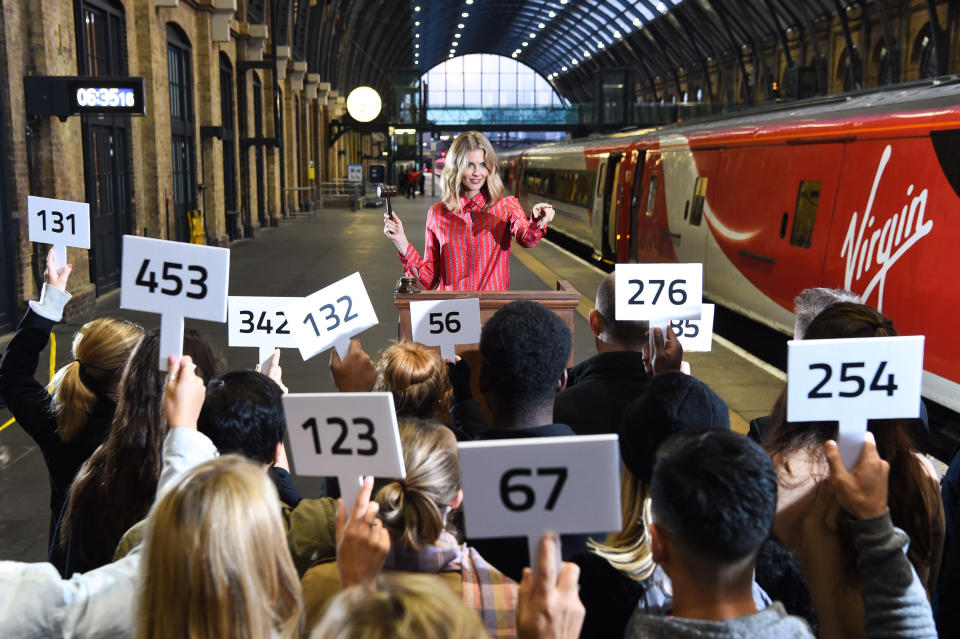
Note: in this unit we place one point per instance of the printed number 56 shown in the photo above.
(519, 497)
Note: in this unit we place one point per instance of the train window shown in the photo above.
(699, 197)
(808, 197)
(652, 197)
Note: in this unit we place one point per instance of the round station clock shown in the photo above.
(363, 104)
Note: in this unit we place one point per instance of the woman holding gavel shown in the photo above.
(470, 230)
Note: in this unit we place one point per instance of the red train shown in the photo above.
(860, 192)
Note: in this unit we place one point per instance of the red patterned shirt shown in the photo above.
(470, 250)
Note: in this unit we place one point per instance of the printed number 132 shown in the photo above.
(332, 315)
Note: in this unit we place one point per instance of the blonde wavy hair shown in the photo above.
(628, 550)
(417, 377)
(100, 349)
(451, 180)
(404, 606)
(215, 561)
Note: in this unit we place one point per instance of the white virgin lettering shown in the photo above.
(887, 243)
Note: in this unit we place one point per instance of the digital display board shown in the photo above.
(63, 96)
(95, 95)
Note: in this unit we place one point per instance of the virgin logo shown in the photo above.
(872, 256)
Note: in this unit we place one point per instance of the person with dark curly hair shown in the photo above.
(524, 348)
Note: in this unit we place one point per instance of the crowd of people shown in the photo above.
(174, 512)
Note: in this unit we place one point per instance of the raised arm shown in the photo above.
(893, 598)
(528, 231)
(27, 398)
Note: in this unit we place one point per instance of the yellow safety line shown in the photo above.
(53, 370)
(549, 277)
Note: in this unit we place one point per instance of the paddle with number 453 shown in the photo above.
(176, 280)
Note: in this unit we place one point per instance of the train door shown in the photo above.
(654, 241)
(772, 225)
(688, 176)
(636, 205)
(605, 207)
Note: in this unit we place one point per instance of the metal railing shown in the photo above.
(309, 198)
(340, 192)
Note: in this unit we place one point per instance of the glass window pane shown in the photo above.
(471, 63)
(808, 197)
(471, 98)
(490, 98)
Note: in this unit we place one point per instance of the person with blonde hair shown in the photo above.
(418, 379)
(215, 561)
(71, 419)
(402, 607)
(414, 511)
(469, 232)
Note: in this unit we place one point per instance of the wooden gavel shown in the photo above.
(387, 191)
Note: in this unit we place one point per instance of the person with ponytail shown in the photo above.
(415, 512)
(114, 489)
(71, 419)
(809, 521)
(470, 230)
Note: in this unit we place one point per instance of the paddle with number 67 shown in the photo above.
(852, 381)
(176, 280)
(526, 487)
(344, 435)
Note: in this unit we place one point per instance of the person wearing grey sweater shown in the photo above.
(716, 507)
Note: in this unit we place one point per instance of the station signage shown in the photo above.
(63, 96)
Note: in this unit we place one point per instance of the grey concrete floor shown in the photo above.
(296, 259)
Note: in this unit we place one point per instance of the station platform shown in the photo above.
(302, 256)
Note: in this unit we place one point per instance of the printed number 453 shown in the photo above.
(332, 315)
(170, 275)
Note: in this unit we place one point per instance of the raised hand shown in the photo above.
(542, 214)
(356, 373)
(274, 371)
(393, 229)
(362, 541)
(57, 278)
(862, 492)
(183, 394)
(662, 354)
(549, 606)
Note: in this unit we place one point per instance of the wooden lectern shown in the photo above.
(563, 301)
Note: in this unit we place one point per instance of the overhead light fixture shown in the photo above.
(461, 25)
(541, 25)
(586, 53)
(599, 44)
(563, 68)
(469, 1)
(417, 23)
(662, 8)
(450, 56)
(464, 15)
(416, 8)
(564, 1)
(513, 55)
(456, 35)
(416, 35)
(454, 44)
(573, 61)
(533, 35)
(552, 14)
(525, 43)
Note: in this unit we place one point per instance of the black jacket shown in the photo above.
(598, 391)
(30, 404)
(609, 596)
(509, 554)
